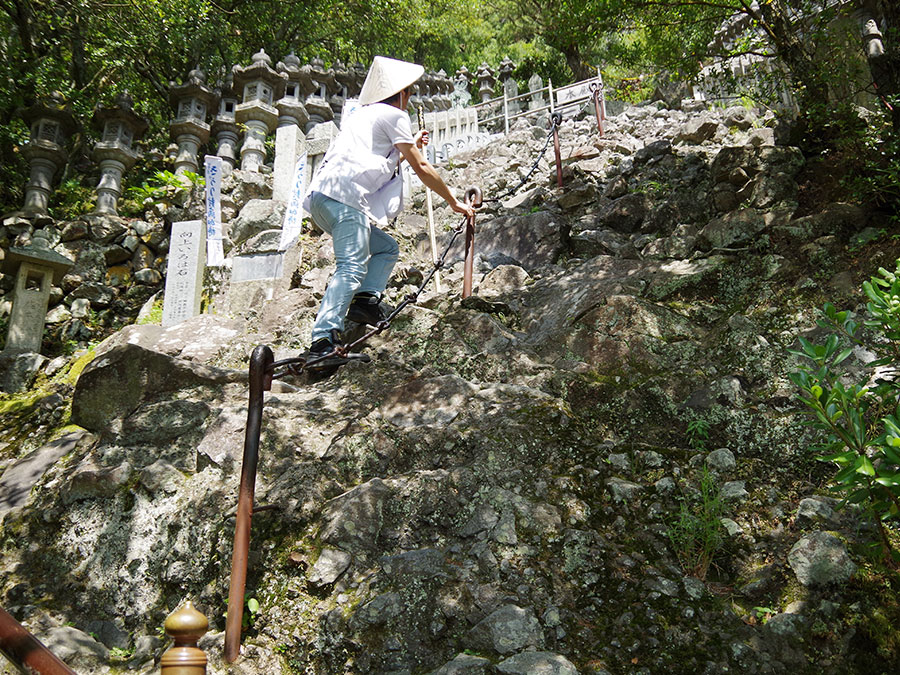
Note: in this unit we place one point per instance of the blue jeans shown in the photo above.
(365, 258)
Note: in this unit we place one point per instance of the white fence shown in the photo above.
(464, 129)
(452, 131)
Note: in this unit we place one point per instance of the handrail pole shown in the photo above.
(602, 94)
(556, 120)
(595, 88)
(429, 210)
(473, 199)
(505, 112)
(260, 360)
(25, 652)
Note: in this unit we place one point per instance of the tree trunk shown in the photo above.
(580, 69)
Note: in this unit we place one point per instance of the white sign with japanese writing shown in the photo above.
(574, 93)
(215, 254)
(293, 215)
(184, 272)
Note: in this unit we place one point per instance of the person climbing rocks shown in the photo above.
(354, 193)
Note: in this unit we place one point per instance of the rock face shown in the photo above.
(819, 559)
(501, 490)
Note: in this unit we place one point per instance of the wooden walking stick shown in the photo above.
(420, 113)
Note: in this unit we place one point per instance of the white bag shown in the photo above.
(387, 201)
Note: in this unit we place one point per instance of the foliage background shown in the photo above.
(91, 50)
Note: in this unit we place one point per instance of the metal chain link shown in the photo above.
(553, 125)
(297, 364)
(344, 351)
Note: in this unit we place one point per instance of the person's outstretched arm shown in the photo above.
(431, 178)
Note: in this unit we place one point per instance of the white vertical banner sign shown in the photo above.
(215, 254)
(293, 215)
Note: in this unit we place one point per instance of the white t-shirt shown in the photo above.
(363, 157)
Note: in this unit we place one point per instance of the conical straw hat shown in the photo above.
(386, 77)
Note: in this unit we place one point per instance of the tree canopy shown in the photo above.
(91, 50)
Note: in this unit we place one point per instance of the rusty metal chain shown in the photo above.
(555, 120)
(297, 364)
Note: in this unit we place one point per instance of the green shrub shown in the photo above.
(859, 422)
(696, 531)
(72, 199)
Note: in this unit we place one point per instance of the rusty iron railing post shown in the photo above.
(473, 199)
(260, 381)
(556, 120)
(595, 88)
(186, 626)
(25, 652)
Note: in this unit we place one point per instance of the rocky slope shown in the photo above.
(498, 489)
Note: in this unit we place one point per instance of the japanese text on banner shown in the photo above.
(214, 252)
(293, 215)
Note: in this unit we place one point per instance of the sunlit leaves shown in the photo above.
(859, 422)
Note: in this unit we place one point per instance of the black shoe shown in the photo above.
(366, 309)
(322, 351)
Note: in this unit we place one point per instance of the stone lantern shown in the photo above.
(506, 69)
(486, 82)
(191, 100)
(461, 95)
(359, 76)
(36, 268)
(344, 78)
(224, 127)
(298, 86)
(259, 86)
(415, 98)
(51, 126)
(317, 103)
(121, 127)
(442, 88)
(426, 90)
(463, 75)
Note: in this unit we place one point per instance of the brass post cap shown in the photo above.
(186, 624)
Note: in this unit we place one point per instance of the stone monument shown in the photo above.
(510, 86)
(535, 86)
(184, 272)
(36, 268)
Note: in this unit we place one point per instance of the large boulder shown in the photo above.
(257, 216)
(116, 383)
(697, 130)
(537, 663)
(733, 228)
(507, 630)
(625, 214)
(530, 240)
(820, 559)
